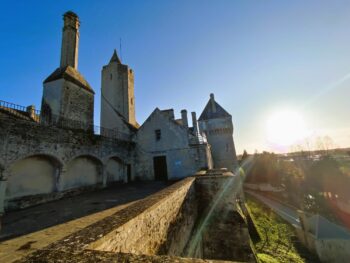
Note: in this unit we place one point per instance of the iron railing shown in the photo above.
(32, 115)
(198, 139)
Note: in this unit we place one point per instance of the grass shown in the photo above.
(277, 237)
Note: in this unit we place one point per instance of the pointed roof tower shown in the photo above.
(115, 58)
(213, 110)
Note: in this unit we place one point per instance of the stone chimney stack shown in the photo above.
(31, 111)
(212, 102)
(184, 118)
(194, 122)
(70, 40)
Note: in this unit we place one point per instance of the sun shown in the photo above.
(285, 128)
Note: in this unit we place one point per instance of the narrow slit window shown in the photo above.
(158, 134)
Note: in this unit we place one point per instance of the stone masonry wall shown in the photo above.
(219, 133)
(57, 149)
(151, 226)
(220, 232)
(163, 228)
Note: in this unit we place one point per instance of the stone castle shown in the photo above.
(58, 152)
(47, 153)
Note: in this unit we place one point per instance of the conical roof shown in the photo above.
(115, 58)
(213, 111)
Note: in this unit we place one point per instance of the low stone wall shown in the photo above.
(220, 231)
(92, 256)
(333, 250)
(162, 228)
(156, 224)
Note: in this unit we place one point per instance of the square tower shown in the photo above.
(68, 99)
(117, 94)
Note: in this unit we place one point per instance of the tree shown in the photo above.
(264, 169)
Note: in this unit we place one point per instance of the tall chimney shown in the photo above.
(70, 40)
(212, 102)
(184, 118)
(194, 122)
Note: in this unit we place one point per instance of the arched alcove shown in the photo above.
(32, 175)
(81, 171)
(115, 170)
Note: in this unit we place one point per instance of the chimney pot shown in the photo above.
(184, 118)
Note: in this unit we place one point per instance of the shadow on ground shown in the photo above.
(17, 223)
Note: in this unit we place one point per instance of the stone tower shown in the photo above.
(68, 98)
(117, 94)
(217, 125)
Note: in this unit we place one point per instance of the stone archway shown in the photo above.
(82, 171)
(36, 174)
(115, 171)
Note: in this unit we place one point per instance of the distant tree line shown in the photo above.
(307, 183)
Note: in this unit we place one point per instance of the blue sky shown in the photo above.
(258, 57)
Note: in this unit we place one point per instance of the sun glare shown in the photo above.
(285, 128)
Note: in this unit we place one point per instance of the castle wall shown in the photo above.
(39, 160)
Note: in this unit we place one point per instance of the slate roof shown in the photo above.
(209, 114)
(71, 74)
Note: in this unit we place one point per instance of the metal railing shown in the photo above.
(9, 105)
(198, 139)
(47, 119)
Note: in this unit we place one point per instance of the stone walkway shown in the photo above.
(43, 224)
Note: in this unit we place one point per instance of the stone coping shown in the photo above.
(91, 256)
(17, 248)
(77, 243)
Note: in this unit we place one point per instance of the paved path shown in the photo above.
(39, 217)
(287, 213)
(53, 221)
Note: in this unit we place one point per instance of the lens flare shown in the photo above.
(285, 128)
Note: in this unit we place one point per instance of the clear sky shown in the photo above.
(258, 57)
